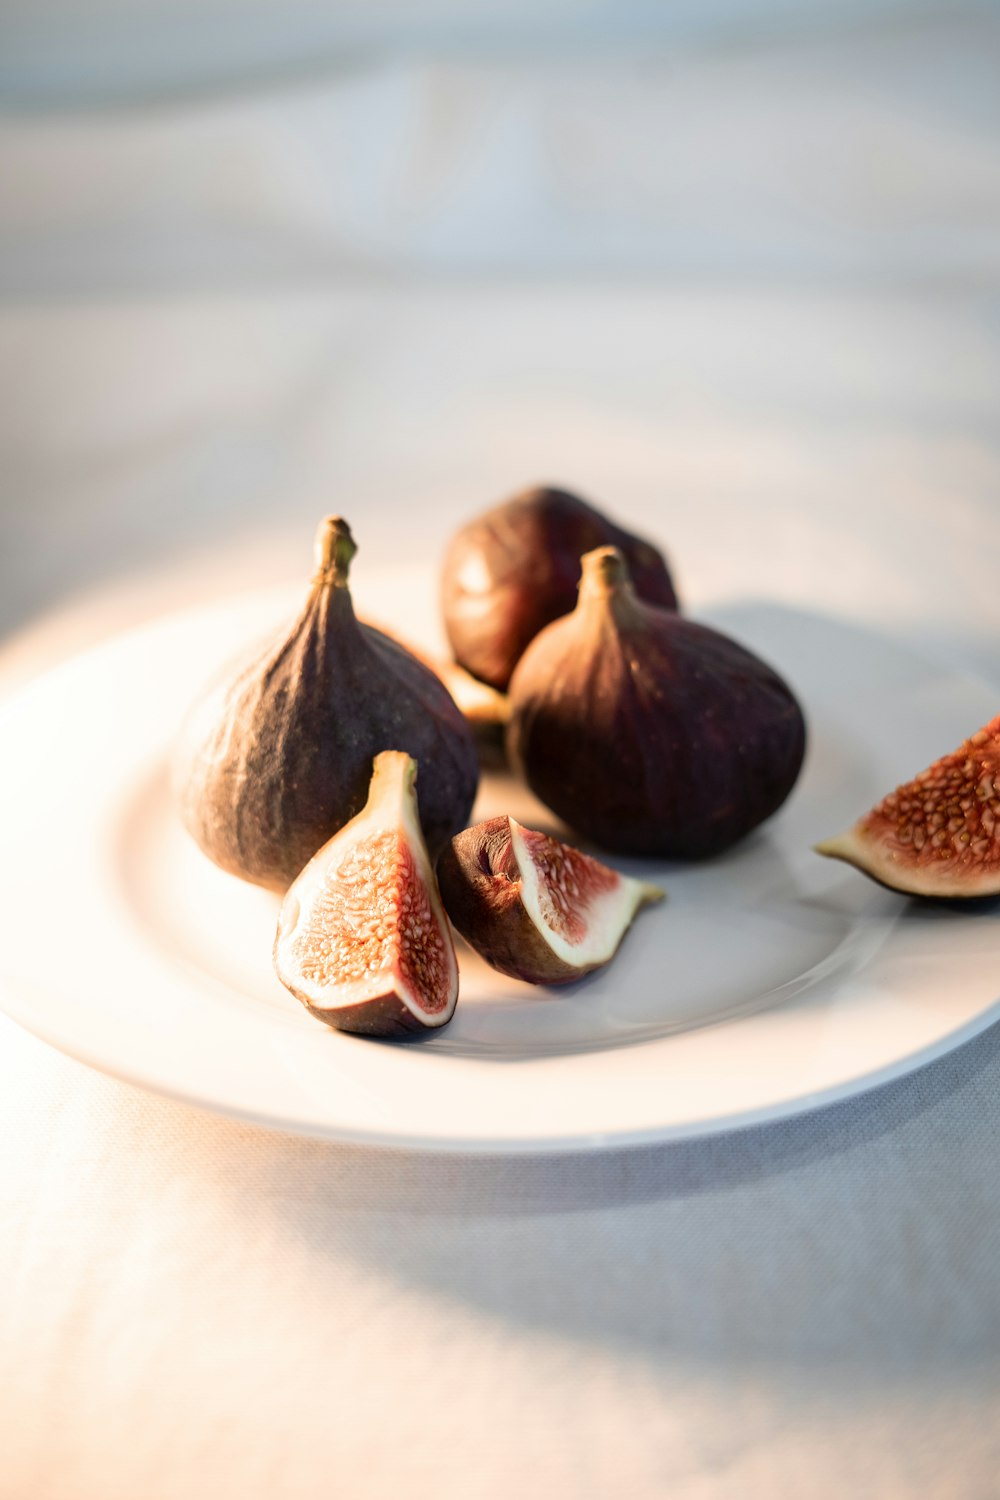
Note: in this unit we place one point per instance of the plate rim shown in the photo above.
(565, 1145)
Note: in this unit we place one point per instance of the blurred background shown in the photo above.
(704, 262)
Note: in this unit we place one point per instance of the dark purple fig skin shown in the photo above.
(277, 755)
(382, 1015)
(481, 889)
(646, 732)
(517, 567)
(484, 709)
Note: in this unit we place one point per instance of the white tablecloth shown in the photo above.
(770, 337)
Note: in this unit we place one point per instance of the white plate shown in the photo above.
(770, 982)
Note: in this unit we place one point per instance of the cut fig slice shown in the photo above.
(533, 907)
(939, 834)
(362, 938)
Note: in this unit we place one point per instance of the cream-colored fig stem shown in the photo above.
(393, 773)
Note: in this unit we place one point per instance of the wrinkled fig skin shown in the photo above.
(274, 759)
(488, 911)
(515, 568)
(648, 733)
(485, 710)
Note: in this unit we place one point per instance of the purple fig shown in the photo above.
(515, 568)
(648, 733)
(276, 756)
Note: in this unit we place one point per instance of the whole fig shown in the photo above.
(515, 568)
(646, 732)
(277, 755)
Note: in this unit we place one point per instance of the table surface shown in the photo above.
(217, 324)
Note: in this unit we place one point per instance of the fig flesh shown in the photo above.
(939, 834)
(515, 568)
(362, 938)
(533, 907)
(276, 756)
(646, 732)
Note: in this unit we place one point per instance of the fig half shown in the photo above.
(277, 754)
(646, 732)
(939, 834)
(513, 569)
(533, 907)
(362, 939)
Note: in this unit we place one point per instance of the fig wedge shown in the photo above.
(533, 907)
(362, 938)
(939, 834)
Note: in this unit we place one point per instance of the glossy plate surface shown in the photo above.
(771, 980)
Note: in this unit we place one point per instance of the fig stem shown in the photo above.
(393, 772)
(604, 572)
(334, 548)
